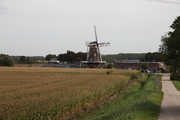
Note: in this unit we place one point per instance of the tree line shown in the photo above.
(69, 57)
(32, 58)
(6, 60)
(72, 57)
(122, 56)
(153, 57)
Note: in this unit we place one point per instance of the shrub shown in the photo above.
(175, 76)
(109, 72)
(110, 65)
(163, 70)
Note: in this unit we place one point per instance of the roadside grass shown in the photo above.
(176, 84)
(139, 101)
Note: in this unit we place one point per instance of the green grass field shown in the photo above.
(176, 84)
(140, 101)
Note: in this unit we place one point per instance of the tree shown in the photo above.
(170, 46)
(23, 59)
(163, 48)
(82, 56)
(71, 56)
(110, 65)
(28, 59)
(6, 60)
(49, 56)
(144, 66)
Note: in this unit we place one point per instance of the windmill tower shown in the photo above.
(94, 58)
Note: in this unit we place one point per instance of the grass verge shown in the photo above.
(139, 101)
(176, 84)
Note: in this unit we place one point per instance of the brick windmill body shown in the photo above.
(94, 58)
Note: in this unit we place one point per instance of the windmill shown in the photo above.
(94, 58)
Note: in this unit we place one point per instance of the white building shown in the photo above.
(54, 60)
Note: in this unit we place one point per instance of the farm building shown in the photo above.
(153, 66)
(54, 60)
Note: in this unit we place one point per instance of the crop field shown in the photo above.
(51, 93)
(139, 101)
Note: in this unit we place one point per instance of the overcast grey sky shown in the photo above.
(41, 27)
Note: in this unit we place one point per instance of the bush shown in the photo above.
(175, 76)
(164, 71)
(110, 65)
(109, 72)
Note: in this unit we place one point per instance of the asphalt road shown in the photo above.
(170, 106)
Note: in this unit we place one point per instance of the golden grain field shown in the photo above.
(51, 93)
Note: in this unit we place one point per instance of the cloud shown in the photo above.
(3, 9)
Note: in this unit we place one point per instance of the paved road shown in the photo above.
(170, 106)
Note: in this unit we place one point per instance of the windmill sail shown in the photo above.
(95, 34)
(97, 44)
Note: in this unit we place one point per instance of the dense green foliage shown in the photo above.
(170, 46)
(6, 60)
(121, 56)
(175, 76)
(139, 101)
(176, 84)
(72, 57)
(150, 57)
(110, 65)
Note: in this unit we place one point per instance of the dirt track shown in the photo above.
(170, 106)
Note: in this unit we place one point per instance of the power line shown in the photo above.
(164, 1)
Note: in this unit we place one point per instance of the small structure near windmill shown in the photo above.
(54, 60)
(94, 58)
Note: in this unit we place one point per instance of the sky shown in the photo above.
(42, 27)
